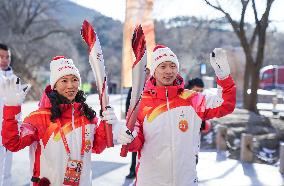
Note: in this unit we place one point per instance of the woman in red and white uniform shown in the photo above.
(61, 133)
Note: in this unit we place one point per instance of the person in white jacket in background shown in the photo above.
(5, 155)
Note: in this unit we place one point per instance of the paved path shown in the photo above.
(109, 169)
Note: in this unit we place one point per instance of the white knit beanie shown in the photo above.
(161, 54)
(61, 66)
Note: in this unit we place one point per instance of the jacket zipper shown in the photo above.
(73, 133)
(167, 96)
(73, 125)
(172, 138)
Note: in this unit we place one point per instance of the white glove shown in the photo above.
(219, 62)
(12, 92)
(109, 116)
(125, 136)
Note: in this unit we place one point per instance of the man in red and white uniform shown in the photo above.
(167, 130)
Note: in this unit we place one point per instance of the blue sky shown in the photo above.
(165, 9)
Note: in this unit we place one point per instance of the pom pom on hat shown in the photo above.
(61, 66)
(161, 54)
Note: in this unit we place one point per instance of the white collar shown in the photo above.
(6, 73)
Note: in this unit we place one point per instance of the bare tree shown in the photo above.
(253, 45)
(29, 30)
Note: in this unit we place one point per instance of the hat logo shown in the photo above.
(159, 57)
(64, 61)
(65, 67)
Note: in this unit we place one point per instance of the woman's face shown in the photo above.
(67, 86)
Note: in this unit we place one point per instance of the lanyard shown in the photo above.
(65, 141)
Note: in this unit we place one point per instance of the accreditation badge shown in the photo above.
(73, 172)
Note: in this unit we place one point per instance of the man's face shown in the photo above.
(197, 89)
(166, 73)
(67, 86)
(5, 59)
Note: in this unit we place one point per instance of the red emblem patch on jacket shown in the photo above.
(183, 125)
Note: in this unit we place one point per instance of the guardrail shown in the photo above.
(247, 148)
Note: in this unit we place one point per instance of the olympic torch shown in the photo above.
(138, 80)
(96, 61)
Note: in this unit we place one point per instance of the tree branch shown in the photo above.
(257, 23)
(244, 8)
(242, 33)
(215, 7)
(264, 19)
(227, 15)
(47, 34)
(255, 12)
(22, 8)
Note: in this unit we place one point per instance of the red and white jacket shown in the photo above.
(48, 157)
(168, 128)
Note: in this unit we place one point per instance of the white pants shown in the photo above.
(5, 167)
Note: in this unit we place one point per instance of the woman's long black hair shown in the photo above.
(56, 99)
